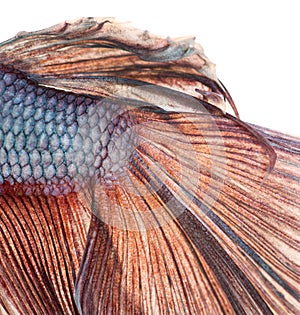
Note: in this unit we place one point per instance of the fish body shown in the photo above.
(127, 188)
(51, 140)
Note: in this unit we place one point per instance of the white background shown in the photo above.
(255, 44)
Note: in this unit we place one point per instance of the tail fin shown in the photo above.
(189, 229)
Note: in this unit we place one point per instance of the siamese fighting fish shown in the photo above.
(130, 185)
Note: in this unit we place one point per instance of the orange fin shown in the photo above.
(187, 225)
(42, 242)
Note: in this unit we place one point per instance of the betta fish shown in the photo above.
(129, 184)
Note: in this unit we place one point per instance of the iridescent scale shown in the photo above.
(53, 140)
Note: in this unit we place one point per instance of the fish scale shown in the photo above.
(52, 141)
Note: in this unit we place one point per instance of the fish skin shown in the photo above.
(52, 140)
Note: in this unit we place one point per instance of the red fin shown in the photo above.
(42, 242)
(103, 57)
(187, 225)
